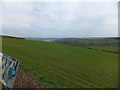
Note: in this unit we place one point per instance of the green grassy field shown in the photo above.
(56, 65)
(107, 48)
(89, 41)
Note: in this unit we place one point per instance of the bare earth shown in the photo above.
(23, 80)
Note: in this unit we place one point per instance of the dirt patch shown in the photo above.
(24, 80)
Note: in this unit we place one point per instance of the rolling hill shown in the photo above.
(56, 65)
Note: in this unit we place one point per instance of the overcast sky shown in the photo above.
(60, 19)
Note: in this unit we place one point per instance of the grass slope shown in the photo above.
(56, 65)
(107, 48)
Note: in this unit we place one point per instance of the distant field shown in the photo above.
(89, 41)
(56, 65)
(106, 48)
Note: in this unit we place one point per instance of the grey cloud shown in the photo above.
(51, 19)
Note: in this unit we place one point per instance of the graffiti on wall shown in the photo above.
(9, 69)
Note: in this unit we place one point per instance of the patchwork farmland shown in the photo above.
(57, 65)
